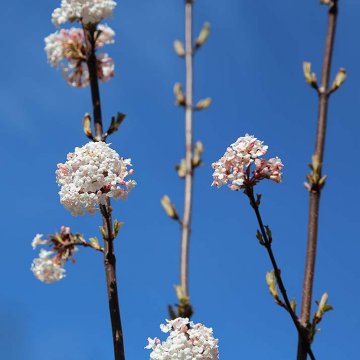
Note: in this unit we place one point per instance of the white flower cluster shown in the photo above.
(67, 48)
(90, 175)
(186, 341)
(87, 11)
(234, 166)
(46, 268)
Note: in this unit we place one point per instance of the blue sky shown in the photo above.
(252, 68)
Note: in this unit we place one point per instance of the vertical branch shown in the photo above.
(186, 223)
(315, 190)
(109, 253)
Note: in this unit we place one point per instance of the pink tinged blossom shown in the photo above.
(186, 341)
(234, 168)
(66, 49)
(95, 172)
(269, 169)
(88, 11)
(106, 67)
(106, 35)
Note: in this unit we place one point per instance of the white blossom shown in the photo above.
(234, 166)
(67, 48)
(38, 241)
(186, 341)
(92, 174)
(47, 269)
(106, 35)
(88, 11)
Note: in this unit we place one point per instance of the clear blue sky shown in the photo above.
(252, 68)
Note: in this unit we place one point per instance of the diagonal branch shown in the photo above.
(267, 244)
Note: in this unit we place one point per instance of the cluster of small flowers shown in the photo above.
(234, 166)
(186, 341)
(87, 11)
(67, 47)
(48, 267)
(90, 175)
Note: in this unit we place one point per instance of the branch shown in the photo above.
(85, 244)
(267, 244)
(315, 189)
(109, 254)
(186, 222)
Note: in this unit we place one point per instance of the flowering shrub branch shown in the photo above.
(93, 173)
(192, 158)
(105, 207)
(242, 167)
(316, 180)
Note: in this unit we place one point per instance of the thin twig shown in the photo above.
(186, 222)
(267, 244)
(315, 191)
(84, 244)
(109, 254)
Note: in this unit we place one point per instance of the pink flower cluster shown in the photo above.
(66, 48)
(235, 166)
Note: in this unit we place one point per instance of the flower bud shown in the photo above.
(198, 151)
(339, 79)
(181, 168)
(203, 104)
(179, 48)
(271, 282)
(179, 96)
(309, 76)
(87, 126)
(204, 34)
(169, 207)
(95, 243)
(117, 226)
(323, 307)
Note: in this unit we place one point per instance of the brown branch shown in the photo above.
(267, 244)
(316, 190)
(109, 254)
(186, 222)
(84, 244)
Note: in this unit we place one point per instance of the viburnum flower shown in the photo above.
(92, 174)
(49, 266)
(67, 48)
(186, 341)
(235, 166)
(48, 269)
(86, 11)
